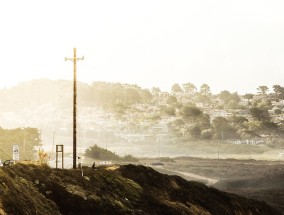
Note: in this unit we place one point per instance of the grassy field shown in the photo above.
(258, 179)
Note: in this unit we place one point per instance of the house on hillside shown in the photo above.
(135, 137)
(254, 141)
(219, 113)
(244, 102)
(161, 127)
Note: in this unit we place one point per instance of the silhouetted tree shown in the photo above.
(189, 88)
(205, 90)
(176, 88)
(262, 90)
(248, 96)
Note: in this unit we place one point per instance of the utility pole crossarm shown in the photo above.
(72, 59)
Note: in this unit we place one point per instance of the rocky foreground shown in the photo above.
(129, 189)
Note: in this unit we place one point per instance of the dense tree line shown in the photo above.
(26, 138)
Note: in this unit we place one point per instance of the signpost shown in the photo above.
(59, 148)
(16, 152)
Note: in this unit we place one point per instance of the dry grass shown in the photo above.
(129, 189)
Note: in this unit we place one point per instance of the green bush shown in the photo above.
(99, 153)
(129, 158)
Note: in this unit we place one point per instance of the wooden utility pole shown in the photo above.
(74, 60)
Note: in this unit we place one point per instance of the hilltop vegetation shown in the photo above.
(99, 153)
(30, 189)
(129, 112)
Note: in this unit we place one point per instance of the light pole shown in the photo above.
(74, 60)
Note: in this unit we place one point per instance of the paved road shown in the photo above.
(210, 181)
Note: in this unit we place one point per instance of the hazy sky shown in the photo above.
(233, 45)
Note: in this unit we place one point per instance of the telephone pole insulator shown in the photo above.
(74, 60)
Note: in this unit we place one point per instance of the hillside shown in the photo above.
(116, 115)
(268, 188)
(129, 189)
(183, 113)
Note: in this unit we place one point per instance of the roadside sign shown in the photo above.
(16, 152)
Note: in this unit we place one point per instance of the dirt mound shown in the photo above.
(130, 189)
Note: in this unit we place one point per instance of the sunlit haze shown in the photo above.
(232, 45)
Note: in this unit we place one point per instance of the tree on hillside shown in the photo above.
(132, 96)
(119, 108)
(171, 100)
(279, 91)
(202, 99)
(190, 113)
(205, 90)
(235, 97)
(224, 95)
(176, 88)
(155, 90)
(99, 153)
(223, 130)
(106, 94)
(264, 103)
(269, 126)
(203, 121)
(230, 100)
(169, 111)
(277, 111)
(233, 101)
(194, 132)
(248, 96)
(262, 90)
(146, 96)
(254, 126)
(206, 134)
(189, 87)
(260, 114)
(178, 122)
(177, 127)
(219, 123)
(238, 121)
